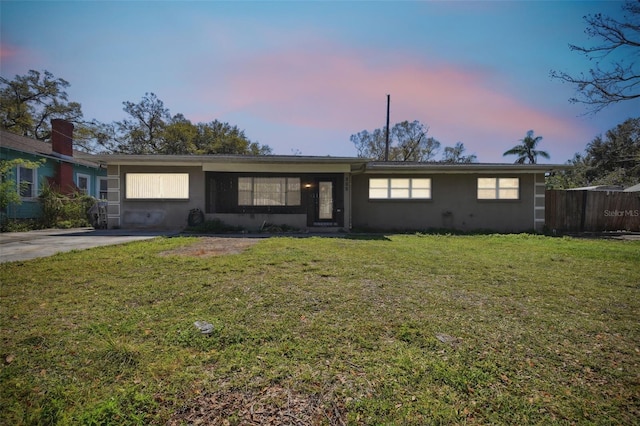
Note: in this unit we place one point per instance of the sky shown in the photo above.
(302, 77)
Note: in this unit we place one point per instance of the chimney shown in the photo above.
(62, 137)
(62, 144)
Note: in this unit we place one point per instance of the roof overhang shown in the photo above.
(238, 163)
(307, 164)
(466, 168)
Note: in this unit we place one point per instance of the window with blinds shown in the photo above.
(400, 188)
(157, 186)
(268, 191)
(498, 188)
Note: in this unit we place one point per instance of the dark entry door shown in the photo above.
(325, 202)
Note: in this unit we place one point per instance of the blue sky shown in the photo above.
(302, 77)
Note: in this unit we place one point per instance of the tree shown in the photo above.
(408, 141)
(527, 151)
(150, 129)
(29, 102)
(610, 160)
(142, 132)
(370, 144)
(619, 79)
(454, 154)
(413, 143)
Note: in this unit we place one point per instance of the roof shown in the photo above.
(634, 188)
(43, 149)
(597, 188)
(246, 162)
(441, 167)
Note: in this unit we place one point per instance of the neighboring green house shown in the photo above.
(61, 168)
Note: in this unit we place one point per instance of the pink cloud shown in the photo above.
(335, 89)
(15, 60)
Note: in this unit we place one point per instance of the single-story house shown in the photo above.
(320, 193)
(63, 168)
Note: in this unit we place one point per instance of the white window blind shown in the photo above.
(498, 188)
(151, 186)
(400, 188)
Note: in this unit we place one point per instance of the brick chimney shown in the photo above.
(62, 137)
(62, 144)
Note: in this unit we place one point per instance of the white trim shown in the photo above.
(35, 190)
(99, 180)
(88, 177)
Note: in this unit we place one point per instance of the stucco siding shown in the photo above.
(453, 205)
(156, 213)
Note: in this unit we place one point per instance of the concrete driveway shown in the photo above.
(42, 243)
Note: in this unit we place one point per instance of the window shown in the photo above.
(83, 182)
(102, 188)
(154, 186)
(268, 191)
(27, 179)
(498, 188)
(400, 188)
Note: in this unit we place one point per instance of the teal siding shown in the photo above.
(30, 208)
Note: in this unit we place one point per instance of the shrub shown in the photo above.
(65, 211)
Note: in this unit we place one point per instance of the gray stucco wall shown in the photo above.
(453, 205)
(160, 214)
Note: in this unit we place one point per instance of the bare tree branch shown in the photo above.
(619, 79)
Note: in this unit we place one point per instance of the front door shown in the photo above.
(325, 200)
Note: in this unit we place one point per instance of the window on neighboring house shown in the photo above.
(268, 191)
(400, 188)
(498, 188)
(83, 182)
(27, 179)
(157, 186)
(102, 188)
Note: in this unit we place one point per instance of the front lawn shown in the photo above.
(401, 329)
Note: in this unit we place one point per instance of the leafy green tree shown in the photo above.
(408, 141)
(29, 102)
(217, 137)
(617, 79)
(150, 129)
(610, 160)
(455, 154)
(526, 151)
(142, 132)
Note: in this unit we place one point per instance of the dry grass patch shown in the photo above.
(212, 246)
(269, 406)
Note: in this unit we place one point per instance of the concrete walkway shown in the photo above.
(17, 246)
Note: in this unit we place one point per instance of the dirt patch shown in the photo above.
(213, 246)
(273, 405)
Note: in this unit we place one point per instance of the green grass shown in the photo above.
(401, 329)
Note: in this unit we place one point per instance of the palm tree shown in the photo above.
(526, 151)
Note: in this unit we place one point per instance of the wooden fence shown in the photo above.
(592, 211)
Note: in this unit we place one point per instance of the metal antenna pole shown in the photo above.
(386, 146)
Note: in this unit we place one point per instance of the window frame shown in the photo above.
(87, 189)
(394, 188)
(498, 189)
(33, 184)
(181, 195)
(99, 190)
(291, 196)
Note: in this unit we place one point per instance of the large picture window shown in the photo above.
(400, 188)
(268, 191)
(157, 186)
(498, 188)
